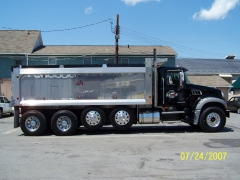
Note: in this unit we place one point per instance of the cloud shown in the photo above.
(219, 10)
(88, 10)
(134, 2)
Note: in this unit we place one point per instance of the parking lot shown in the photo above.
(175, 151)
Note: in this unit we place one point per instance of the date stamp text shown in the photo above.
(205, 156)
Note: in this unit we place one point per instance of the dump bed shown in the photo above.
(61, 86)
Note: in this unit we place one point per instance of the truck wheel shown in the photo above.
(212, 119)
(238, 110)
(33, 123)
(64, 123)
(121, 118)
(0, 112)
(93, 118)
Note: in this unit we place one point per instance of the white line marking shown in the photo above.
(10, 131)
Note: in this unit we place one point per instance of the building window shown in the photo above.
(110, 61)
(87, 60)
(125, 60)
(18, 62)
(52, 61)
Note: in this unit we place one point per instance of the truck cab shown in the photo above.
(180, 99)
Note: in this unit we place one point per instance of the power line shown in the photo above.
(157, 44)
(154, 41)
(67, 29)
(157, 41)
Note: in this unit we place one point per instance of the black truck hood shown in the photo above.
(205, 90)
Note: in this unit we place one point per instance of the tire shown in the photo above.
(0, 112)
(93, 118)
(238, 110)
(121, 118)
(212, 119)
(64, 123)
(33, 123)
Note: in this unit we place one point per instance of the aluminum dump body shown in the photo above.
(81, 86)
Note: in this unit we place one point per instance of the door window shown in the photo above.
(231, 100)
(6, 100)
(173, 78)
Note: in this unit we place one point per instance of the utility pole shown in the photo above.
(116, 38)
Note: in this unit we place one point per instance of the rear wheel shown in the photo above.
(212, 119)
(33, 123)
(64, 123)
(121, 118)
(0, 112)
(93, 118)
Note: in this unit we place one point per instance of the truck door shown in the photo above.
(173, 90)
(6, 105)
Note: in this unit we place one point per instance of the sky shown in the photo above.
(193, 28)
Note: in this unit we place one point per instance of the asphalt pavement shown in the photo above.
(164, 151)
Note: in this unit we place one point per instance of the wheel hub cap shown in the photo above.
(32, 123)
(213, 120)
(122, 117)
(93, 118)
(64, 123)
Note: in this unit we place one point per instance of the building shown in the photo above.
(26, 48)
(236, 87)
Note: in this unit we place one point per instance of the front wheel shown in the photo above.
(238, 110)
(212, 119)
(0, 112)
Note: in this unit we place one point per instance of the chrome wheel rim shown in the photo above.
(32, 123)
(64, 123)
(93, 118)
(213, 120)
(122, 117)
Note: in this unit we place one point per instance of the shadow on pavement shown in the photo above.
(108, 130)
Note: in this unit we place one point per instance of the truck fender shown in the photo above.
(198, 108)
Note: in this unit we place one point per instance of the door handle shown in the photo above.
(163, 90)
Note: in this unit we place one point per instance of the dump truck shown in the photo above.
(65, 97)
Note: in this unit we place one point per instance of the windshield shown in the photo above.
(186, 78)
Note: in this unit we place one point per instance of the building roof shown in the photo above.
(210, 81)
(19, 42)
(210, 66)
(103, 50)
(30, 42)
